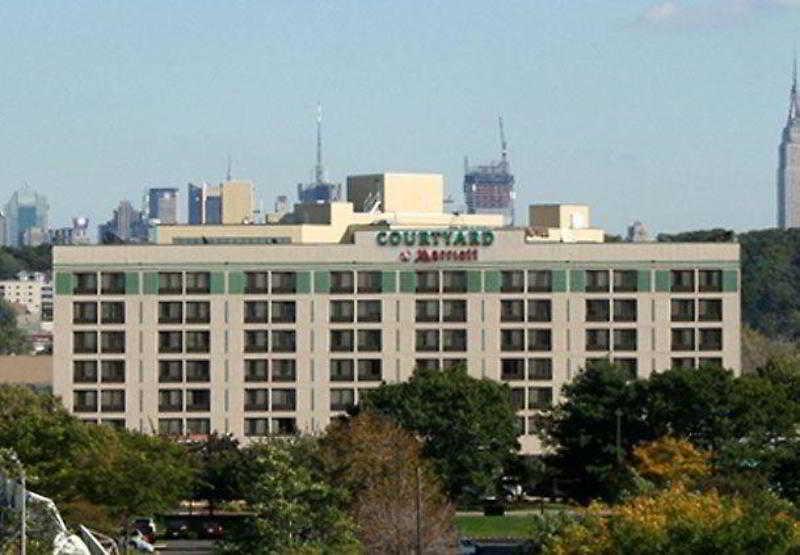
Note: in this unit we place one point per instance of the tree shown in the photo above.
(219, 461)
(669, 460)
(468, 426)
(13, 340)
(381, 466)
(296, 511)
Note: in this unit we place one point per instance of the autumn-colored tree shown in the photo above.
(670, 460)
(390, 485)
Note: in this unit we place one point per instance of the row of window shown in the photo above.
(108, 400)
(537, 397)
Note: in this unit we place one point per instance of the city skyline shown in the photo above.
(665, 106)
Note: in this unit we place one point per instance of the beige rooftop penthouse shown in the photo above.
(382, 201)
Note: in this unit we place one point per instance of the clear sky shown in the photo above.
(664, 111)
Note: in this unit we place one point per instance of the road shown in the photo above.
(186, 547)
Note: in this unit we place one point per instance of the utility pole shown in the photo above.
(618, 414)
(23, 530)
(419, 511)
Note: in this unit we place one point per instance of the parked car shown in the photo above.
(212, 530)
(177, 528)
(147, 527)
(138, 542)
(494, 506)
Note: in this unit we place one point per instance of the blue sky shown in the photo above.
(664, 111)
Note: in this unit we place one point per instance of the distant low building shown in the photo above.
(35, 371)
(32, 290)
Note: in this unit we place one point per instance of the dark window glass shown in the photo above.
(710, 310)
(112, 283)
(256, 427)
(454, 281)
(284, 400)
(170, 426)
(710, 339)
(682, 281)
(597, 281)
(198, 341)
(683, 339)
(512, 281)
(626, 281)
(283, 341)
(342, 370)
(85, 401)
(170, 312)
(84, 371)
(198, 399)
(256, 283)
(256, 341)
(428, 282)
(84, 313)
(512, 369)
(198, 282)
(342, 340)
(539, 310)
(342, 399)
(540, 397)
(597, 340)
(710, 281)
(625, 340)
(454, 340)
(284, 283)
(369, 370)
(198, 371)
(427, 310)
(342, 311)
(112, 312)
(198, 312)
(84, 342)
(540, 340)
(625, 310)
(454, 310)
(427, 340)
(256, 399)
(256, 370)
(170, 400)
(284, 370)
(283, 312)
(597, 310)
(112, 341)
(540, 369)
(682, 310)
(112, 400)
(370, 340)
(170, 371)
(85, 284)
(370, 282)
(369, 311)
(112, 371)
(342, 282)
(512, 340)
(170, 283)
(540, 281)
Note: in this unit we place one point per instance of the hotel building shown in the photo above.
(276, 329)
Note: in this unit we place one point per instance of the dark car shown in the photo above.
(176, 528)
(212, 530)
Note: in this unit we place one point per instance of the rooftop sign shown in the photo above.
(445, 238)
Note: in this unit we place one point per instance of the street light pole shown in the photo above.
(24, 527)
(618, 414)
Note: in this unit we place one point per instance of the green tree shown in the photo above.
(13, 340)
(468, 426)
(296, 511)
(220, 463)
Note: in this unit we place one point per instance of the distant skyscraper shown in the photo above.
(637, 233)
(78, 234)
(320, 190)
(25, 210)
(789, 163)
(3, 224)
(162, 204)
(489, 189)
(126, 225)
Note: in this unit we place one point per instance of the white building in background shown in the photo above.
(26, 212)
(32, 290)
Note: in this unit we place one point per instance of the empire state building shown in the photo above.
(789, 164)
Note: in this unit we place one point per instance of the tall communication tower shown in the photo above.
(489, 189)
(320, 190)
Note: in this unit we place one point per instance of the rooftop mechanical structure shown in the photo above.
(489, 189)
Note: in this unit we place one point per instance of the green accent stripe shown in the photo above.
(131, 283)
(559, 281)
(217, 283)
(730, 281)
(577, 281)
(150, 283)
(663, 281)
(303, 282)
(388, 282)
(473, 281)
(63, 283)
(492, 281)
(236, 282)
(322, 282)
(643, 281)
(408, 282)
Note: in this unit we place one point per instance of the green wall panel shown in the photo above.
(131, 283)
(474, 281)
(388, 282)
(492, 281)
(304, 282)
(577, 280)
(64, 283)
(217, 283)
(643, 281)
(408, 282)
(559, 281)
(150, 283)
(730, 281)
(322, 282)
(663, 281)
(236, 282)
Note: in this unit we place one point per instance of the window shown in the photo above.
(170, 371)
(118, 423)
(170, 283)
(342, 399)
(283, 312)
(198, 426)
(597, 281)
(198, 371)
(112, 341)
(170, 312)
(682, 281)
(427, 363)
(256, 427)
(284, 400)
(284, 283)
(112, 400)
(369, 311)
(198, 400)
(170, 400)
(518, 398)
(170, 426)
(625, 340)
(85, 401)
(256, 312)
(683, 362)
(540, 369)
(626, 281)
(683, 339)
(112, 283)
(512, 369)
(198, 341)
(539, 310)
(342, 340)
(370, 282)
(512, 310)
(84, 342)
(85, 284)
(540, 340)
(369, 370)
(454, 282)
(342, 311)
(710, 281)
(454, 310)
(342, 282)
(112, 313)
(370, 340)
(84, 371)
(540, 397)
(341, 370)
(112, 371)
(710, 362)
(597, 340)
(710, 310)
(512, 281)
(284, 426)
(540, 281)
(284, 370)
(256, 399)
(454, 340)
(627, 365)
(198, 282)
(597, 310)
(427, 311)
(512, 340)
(427, 340)
(256, 283)
(682, 310)
(428, 282)
(454, 363)
(256, 370)
(625, 310)
(283, 341)
(710, 339)
(256, 341)
(198, 312)
(84, 313)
